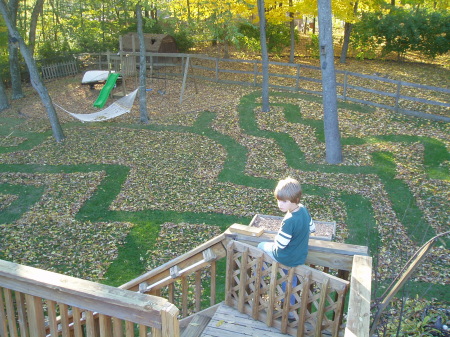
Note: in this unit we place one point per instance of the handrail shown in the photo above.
(69, 304)
(182, 261)
(30, 294)
(163, 279)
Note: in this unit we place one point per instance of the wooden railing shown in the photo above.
(37, 303)
(347, 262)
(319, 308)
(268, 291)
(191, 273)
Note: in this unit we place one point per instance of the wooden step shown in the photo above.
(229, 322)
(196, 326)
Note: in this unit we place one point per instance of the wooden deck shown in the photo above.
(229, 322)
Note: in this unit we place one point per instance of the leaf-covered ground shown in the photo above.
(216, 153)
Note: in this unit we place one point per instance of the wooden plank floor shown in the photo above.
(229, 322)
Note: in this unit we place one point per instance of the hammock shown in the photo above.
(119, 107)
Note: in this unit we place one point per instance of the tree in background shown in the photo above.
(215, 21)
(221, 21)
(142, 68)
(264, 57)
(37, 10)
(36, 80)
(73, 26)
(329, 97)
(14, 64)
(348, 25)
(281, 32)
(4, 104)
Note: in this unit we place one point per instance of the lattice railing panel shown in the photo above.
(300, 301)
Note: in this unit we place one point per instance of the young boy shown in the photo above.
(290, 246)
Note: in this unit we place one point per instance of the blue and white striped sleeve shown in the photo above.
(312, 226)
(282, 239)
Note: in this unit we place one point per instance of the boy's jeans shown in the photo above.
(267, 247)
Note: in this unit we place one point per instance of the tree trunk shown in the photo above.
(226, 50)
(142, 69)
(265, 56)
(330, 119)
(347, 30)
(36, 80)
(4, 104)
(14, 69)
(14, 64)
(188, 5)
(37, 10)
(292, 33)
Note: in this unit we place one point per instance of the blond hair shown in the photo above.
(288, 189)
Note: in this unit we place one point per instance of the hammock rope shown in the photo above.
(121, 106)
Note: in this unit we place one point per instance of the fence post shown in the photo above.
(183, 85)
(297, 80)
(151, 65)
(397, 96)
(217, 70)
(344, 94)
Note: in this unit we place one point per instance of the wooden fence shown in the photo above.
(404, 97)
(59, 69)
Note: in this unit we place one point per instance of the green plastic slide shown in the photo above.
(104, 93)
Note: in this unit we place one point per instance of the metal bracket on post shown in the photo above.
(143, 287)
(174, 272)
(323, 50)
(209, 255)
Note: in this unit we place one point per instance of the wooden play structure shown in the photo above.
(154, 43)
(181, 297)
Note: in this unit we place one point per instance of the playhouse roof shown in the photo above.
(158, 43)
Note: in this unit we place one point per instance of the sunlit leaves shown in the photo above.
(48, 236)
(6, 200)
(176, 162)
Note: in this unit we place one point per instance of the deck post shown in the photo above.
(358, 314)
(169, 321)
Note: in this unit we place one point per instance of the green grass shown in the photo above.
(27, 196)
(141, 238)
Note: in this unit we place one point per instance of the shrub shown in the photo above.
(278, 37)
(313, 46)
(415, 317)
(249, 37)
(400, 31)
